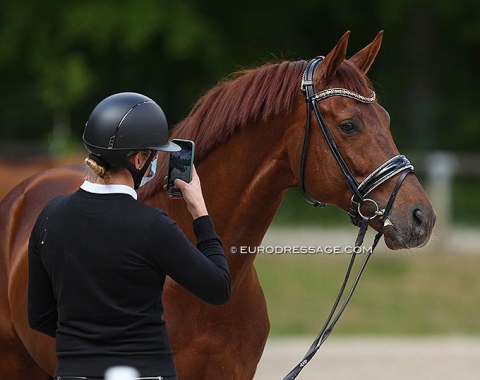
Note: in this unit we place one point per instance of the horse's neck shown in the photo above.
(244, 182)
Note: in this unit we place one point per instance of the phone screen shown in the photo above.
(180, 165)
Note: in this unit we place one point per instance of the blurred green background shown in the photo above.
(58, 59)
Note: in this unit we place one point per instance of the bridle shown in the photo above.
(396, 165)
(386, 171)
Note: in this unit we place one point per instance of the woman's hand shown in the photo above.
(192, 194)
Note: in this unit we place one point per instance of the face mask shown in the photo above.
(153, 169)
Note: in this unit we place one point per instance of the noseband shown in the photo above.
(396, 165)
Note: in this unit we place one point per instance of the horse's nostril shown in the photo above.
(418, 217)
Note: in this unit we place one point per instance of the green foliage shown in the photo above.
(77, 52)
(59, 58)
(62, 57)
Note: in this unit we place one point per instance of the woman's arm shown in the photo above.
(42, 305)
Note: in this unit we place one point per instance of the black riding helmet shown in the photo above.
(123, 123)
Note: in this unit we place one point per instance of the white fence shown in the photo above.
(440, 169)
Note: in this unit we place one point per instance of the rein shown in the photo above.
(395, 165)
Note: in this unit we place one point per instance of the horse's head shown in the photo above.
(360, 128)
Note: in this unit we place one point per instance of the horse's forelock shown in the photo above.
(351, 78)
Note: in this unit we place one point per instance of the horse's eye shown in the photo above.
(348, 127)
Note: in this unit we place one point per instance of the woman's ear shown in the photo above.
(137, 160)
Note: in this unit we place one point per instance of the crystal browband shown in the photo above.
(343, 92)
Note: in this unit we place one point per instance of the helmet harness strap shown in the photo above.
(138, 174)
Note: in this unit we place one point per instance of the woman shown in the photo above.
(98, 258)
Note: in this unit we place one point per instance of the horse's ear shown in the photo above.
(336, 56)
(365, 57)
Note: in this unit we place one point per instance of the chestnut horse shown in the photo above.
(249, 135)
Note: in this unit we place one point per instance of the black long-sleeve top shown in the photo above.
(97, 266)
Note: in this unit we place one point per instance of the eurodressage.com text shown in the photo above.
(299, 250)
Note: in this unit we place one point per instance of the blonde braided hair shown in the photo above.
(97, 171)
(100, 169)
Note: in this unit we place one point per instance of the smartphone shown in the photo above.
(180, 165)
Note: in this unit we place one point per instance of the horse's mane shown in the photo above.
(247, 97)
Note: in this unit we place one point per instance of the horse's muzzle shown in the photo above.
(414, 232)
